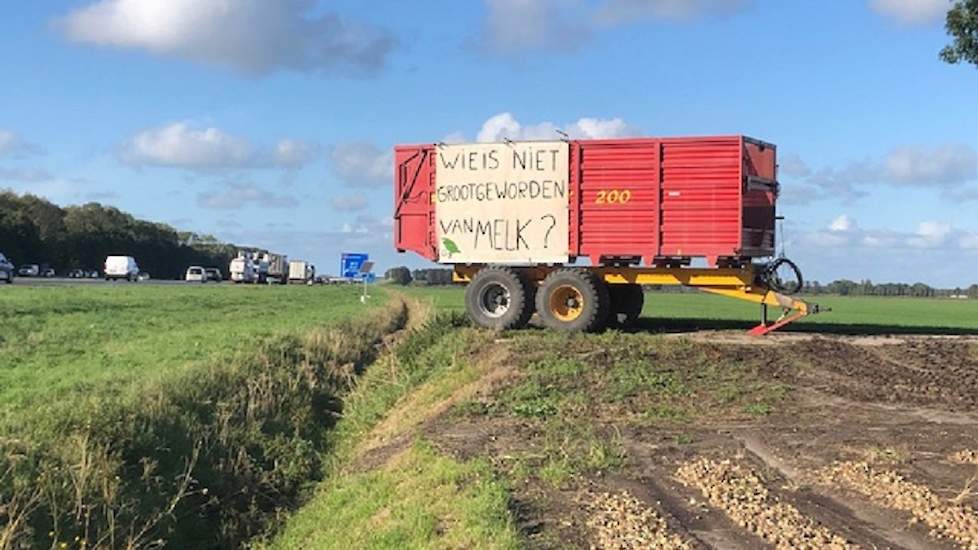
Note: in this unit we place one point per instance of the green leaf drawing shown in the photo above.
(450, 246)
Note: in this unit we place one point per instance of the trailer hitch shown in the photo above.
(792, 310)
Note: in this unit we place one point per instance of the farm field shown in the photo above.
(128, 412)
(64, 340)
(640, 439)
(400, 425)
(670, 312)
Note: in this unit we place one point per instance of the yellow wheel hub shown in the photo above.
(566, 303)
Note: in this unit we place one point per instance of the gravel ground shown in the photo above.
(620, 521)
(889, 489)
(964, 457)
(741, 494)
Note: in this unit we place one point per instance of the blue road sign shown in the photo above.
(350, 264)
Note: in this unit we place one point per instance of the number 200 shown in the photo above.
(614, 196)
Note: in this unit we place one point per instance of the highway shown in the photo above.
(61, 281)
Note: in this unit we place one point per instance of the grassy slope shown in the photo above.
(846, 310)
(71, 339)
(420, 499)
(415, 498)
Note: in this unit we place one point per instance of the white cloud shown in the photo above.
(181, 145)
(830, 183)
(912, 12)
(185, 145)
(249, 36)
(13, 145)
(505, 126)
(946, 164)
(349, 203)
(843, 233)
(618, 11)
(238, 195)
(793, 165)
(930, 234)
(948, 168)
(293, 154)
(515, 26)
(842, 223)
(512, 26)
(367, 229)
(600, 128)
(362, 164)
(969, 241)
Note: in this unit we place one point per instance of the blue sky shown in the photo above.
(270, 122)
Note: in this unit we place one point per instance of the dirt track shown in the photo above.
(907, 409)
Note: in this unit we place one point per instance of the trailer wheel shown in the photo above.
(573, 300)
(499, 298)
(627, 301)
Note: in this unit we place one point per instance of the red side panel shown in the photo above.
(414, 213)
(701, 191)
(619, 198)
(711, 197)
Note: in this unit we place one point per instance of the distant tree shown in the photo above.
(962, 27)
(33, 230)
(433, 276)
(399, 275)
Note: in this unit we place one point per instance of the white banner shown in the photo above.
(502, 203)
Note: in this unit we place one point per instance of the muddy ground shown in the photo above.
(715, 441)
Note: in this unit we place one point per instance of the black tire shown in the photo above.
(573, 300)
(627, 301)
(499, 298)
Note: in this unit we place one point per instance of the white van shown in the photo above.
(243, 271)
(195, 274)
(121, 267)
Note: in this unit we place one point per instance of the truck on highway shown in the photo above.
(301, 271)
(258, 268)
(242, 270)
(277, 269)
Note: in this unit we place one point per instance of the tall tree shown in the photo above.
(962, 27)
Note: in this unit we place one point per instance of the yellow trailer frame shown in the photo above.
(740, 283)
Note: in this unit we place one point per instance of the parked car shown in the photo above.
(93, 274)
(143, 276)
(6, 269)
(121, 267)
(32, 270)
(214, 274)
(77, 274)
(195, 274)
(48, 272)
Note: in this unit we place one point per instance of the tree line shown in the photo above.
(845, 287)
(36, 231)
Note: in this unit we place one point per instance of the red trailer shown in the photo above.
(579, 225)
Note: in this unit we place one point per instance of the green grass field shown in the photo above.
(59, 340)
(849, 314)
(115, 399)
